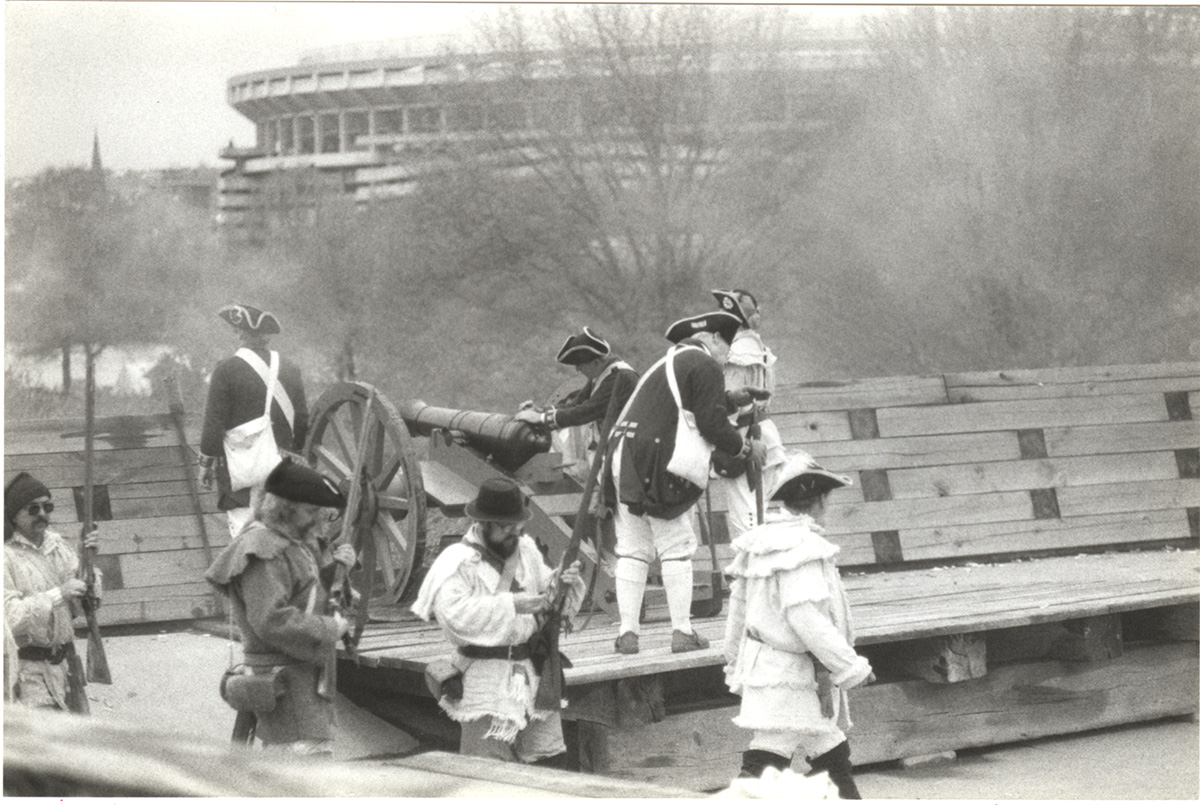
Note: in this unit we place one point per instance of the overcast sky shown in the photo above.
(150, 76)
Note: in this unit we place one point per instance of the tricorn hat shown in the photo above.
(295, 482)
(250, 319)
(499, 500)
(802, 477)
(582, 347)
(731, 302)
(723, 324)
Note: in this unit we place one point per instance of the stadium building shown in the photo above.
(370, 121)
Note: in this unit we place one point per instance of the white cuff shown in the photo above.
(853, 676)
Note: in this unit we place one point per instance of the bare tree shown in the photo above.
(85, 266)
(1022, 188)
(614, 160)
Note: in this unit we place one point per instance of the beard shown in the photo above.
(503, 547)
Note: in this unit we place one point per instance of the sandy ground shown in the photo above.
(170, 679)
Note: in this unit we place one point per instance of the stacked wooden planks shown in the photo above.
(1005, 464)
(152, 552)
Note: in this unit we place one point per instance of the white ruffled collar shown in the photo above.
(784, 542)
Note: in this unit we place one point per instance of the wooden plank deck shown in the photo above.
(887, 607)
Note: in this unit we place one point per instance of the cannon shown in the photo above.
(404, 483)
(506, 443)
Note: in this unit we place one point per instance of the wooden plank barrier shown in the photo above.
(151, 552)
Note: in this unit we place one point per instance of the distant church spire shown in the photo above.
(97, 167)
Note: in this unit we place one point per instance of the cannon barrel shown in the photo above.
(505, 441)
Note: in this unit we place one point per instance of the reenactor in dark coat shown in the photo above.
(652, 504)
(583, 412)
(237, 394)
(277, 576)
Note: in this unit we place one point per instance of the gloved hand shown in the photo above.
(758, 452)
(747, 394)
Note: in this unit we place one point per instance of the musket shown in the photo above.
(341, 593)
(553, 683)
(97, 660)
(754, 474)
(712, 607)
(175, 407)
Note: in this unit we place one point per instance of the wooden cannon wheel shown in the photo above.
(389, 524)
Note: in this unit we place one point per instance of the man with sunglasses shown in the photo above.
(41, 592)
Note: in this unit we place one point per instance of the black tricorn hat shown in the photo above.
(731, 302)
(723, 324)
(499, 500)
(583, 347)
(295, 482)
(250, 319)
(802, 477)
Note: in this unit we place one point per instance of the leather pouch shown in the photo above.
(246, 692)
(443, 679)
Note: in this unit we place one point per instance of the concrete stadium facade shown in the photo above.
(371, 124)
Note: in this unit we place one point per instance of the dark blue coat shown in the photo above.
(646, 486)
(236, 394)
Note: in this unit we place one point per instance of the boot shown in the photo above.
(560, 761)
(837, 763)
(756, 761)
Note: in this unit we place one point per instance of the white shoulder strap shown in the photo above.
(637, 388)
(671, 381)
(671, 373)
(270, 377)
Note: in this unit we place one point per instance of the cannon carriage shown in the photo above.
(421, 465)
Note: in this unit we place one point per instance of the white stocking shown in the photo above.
(631, 588)
(677, 583)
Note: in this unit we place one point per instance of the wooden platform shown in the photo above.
(629, 696)
(887, 608)
(1020, 550)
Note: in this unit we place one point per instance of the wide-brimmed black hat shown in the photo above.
(250, 319)
(802, 477)
(723, 324)
(295, 482)
(582, 347)
(499, 500)
(731, 302)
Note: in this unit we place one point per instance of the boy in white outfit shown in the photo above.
(789, 639)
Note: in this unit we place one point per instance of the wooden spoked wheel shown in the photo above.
(389, 524)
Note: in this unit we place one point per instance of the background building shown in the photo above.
(369, 121)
